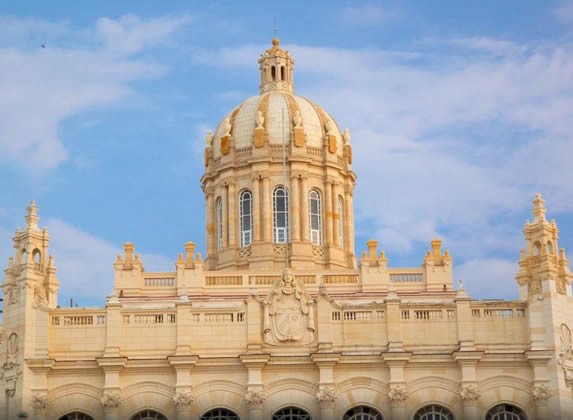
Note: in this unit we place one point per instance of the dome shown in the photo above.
(278, 181)
(281, 111)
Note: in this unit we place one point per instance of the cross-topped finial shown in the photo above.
(32, 217)
(539, 209)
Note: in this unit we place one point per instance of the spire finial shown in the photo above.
(275, 66)
(539, 209)
(32, 215)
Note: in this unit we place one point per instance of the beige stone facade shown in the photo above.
(280, 320)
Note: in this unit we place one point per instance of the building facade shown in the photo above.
(280, 320)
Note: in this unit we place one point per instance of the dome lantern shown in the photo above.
(275, 66)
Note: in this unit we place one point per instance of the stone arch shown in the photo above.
(362, 390)
(434, 390)
(37, 256)
(220, 394)
(146, 414)
(290, 410)
(506, 409)
(506, 389)
(285, 392)
(147, 395)
(72, 397)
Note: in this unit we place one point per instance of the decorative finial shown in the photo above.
(208, 138)
(297, 119)
(32, 215)
(539, 209)
(346, 136)
(276, 42)
(227, 126)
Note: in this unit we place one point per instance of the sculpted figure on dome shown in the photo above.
(260, 120)
(288, 312)
(297, 119)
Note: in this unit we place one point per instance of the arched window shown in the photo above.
(363, 412)
(536, 248)
(24, 256)
(340, 221)
(280, 215)
(315, 214)
(219, 221)
(219, 414)
(148, 415)
(549, 248)
(433, 412)
(283, 73)
(76, 415)
(245, 218)
(273, 73)
(505, 412)
(36, 255)
(291, 413)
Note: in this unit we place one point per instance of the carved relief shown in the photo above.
(40, 297)
(398, 394)
(540, 392)
(326, 396)
(565, 359)
(14, 295)
(111, 399)
(534, 287)
(288, 312)
(470, 393)
(183, 399)
(40, 402)
(255, 398)
(11, 369)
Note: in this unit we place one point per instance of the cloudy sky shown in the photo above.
(459, 113)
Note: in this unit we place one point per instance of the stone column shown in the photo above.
(256, 209)
(183, 400)
(267, 211)
(326, 394)
(232, 215)
(328, 211)
(111, 400)
(349, 222)
(40, 403)
(224, 216)
(295, 208)
(183, 397)
(255, 395)
(211, 232)
(304, 209)
(398, 396)
(335, 215)
(469, 395)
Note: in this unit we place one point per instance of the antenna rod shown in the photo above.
(287, 194)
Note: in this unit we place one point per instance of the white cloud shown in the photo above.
(447, 143)
(366, 15)
(564, 12)
(42, 87)
(491, 278)
(85, 263)
(130, 34)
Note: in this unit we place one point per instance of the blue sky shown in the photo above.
(459, 113)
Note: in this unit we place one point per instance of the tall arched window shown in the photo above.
(148, 415)
(76, 415)
(280, 215)
(291, 413)
(245, 218)
(340, 221)
(315, 214)
(505, 412)
(273, 73)
(433, 412)
(219, 220)
(219, 414)
(362, 412)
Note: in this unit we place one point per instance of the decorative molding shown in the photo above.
(540, 392)
(326, 396)
(565, 358)
(183, 399)
(398, 394)
(11, 369)
(470, 393)
(111, 399)
(255, 398)
(40, 402)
